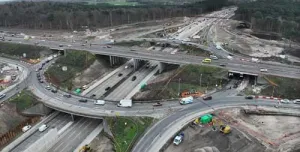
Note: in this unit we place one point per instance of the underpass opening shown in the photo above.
(59, 51)
(240, 76)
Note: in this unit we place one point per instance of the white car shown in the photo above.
(296, 101)
(263, 70)
(126, 67)
(99, 102)
(48, 87)
(43, 128)
(285, 101)
(26, 128)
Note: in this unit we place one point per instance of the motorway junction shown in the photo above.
(77, 120)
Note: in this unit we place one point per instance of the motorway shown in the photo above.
(75, 134)
(127, 86)
(100, 90)
(58, 122)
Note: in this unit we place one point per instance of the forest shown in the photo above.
(70, 16)
(278, 16)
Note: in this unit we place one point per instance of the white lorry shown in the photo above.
(125, 103)
(186, 100)
(256, 60)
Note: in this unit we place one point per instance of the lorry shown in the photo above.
(127, 103)
(178, 139)
(187, 100)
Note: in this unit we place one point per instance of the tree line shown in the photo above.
(280, 16)
(55, 15)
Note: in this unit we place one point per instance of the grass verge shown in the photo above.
(24, 100)
(75, 61)
(192, 50)
(127, 130)
(287, 88)
(186, 78)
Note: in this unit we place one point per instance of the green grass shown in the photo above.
(287, 88)
(76, 62)
(130, 43)
(32, 52)
(24, 100)
(189, 76)
(127, 130)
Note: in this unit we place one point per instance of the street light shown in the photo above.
(179, 86)
(200, 79)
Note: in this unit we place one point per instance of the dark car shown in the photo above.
(249, 97)
(54, 90)
(67, 95)
(223, 65)
(41, 81)
(133, 78)
(40, 68)
(82, 100)
(93, 96)
(207, 98)
(106, 89)
(120, 74)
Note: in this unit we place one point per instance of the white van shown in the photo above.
(99, 102)
(296, 101)
(43, 127)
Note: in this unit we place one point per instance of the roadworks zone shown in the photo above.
(252, 129)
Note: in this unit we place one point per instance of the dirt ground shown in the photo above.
(97, 70)
(101, 144)
(250, 133)
(9, 118)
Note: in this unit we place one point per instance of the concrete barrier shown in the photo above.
(16, 142)
(45, 142)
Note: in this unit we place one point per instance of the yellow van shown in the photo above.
(206, 60)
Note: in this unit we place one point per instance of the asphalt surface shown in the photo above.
(100, 90)
(75, 134)
(57, 122)
(128, 85)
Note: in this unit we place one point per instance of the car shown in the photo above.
(93, 96)
(60, 45)
(82, 44)
(26, 128)
(107, 88)
(2, 96)
(223, 65)
(99, 102)
(263, 70)
(43, 64)
(157, 104)
(108, 46)
(126, 67)
(82, 100)
(285, 101)
(36, 70)
(41, 81)
(48, 87)
(120, 74)
(133, 78)
(54, 90)
(67, 95)
(43, 128)
(40, 68)
(296, 101)
(249, 97)
(207, 98)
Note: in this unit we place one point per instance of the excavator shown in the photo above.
(223, 127)
(85, 148)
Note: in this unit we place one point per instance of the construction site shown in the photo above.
(248, 129)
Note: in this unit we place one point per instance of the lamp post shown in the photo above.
(179, 86)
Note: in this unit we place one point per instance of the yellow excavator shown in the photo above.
(85, 148)
(223, 128)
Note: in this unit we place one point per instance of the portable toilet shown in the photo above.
(206, 119)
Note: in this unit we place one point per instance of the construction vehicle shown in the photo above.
(85, 148)
(223, 127)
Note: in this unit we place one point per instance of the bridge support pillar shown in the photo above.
(137, 64)
(72, 116)
(115, 60)
(162, 67)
